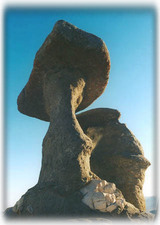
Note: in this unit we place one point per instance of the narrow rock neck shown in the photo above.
(62, 95)
(63, 104)
(66, 149)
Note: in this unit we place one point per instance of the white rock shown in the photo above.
(120, 202)
(100, 187)
(87, 199)
(104, 183)
(90, 187)
(110, 188)
(96, 190)
(98, 196)
(110, 208)
(110, 198)
(88, 192)
(100, 205)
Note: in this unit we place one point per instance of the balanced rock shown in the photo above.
(117, 156)
(70, 64)
(71, 70)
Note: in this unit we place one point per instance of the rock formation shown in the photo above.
(117, 156)
(69, 57)
(103, 196)
(61, 83)
(71, 70)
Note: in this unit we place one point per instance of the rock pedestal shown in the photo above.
(66, 149)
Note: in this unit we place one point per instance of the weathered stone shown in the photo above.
(100, 205)
(70, 64)
(110, 208)
(110, 188)
(10, 213)
(30, 209)
(110, 198)
(18, 206)
(61, 83)
(90, 187)
(121, 203)
(45, 200)
(96, 197)
(131, 210)
(67, 52)
(70, 71)
(117, 156)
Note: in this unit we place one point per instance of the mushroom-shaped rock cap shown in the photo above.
(71, 48)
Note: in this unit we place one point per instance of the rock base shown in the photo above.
(46, 201)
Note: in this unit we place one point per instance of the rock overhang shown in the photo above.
(72, 48)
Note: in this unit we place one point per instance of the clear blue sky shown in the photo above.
(130, 38)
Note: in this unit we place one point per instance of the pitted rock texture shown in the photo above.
(70, 64)
(66, 149)
(72, 49)
(117, 156)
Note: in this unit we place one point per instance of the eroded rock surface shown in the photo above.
(68, 66)
(71, 70)
(67, 51)
(117, 156)
(45, 200)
